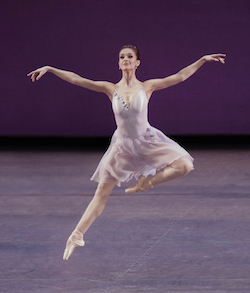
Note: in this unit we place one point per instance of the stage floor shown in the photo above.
(188, 235)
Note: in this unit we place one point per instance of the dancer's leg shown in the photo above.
(178, 168)
(96, 206)
(93, 210)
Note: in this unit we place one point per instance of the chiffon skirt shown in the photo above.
(131, 157)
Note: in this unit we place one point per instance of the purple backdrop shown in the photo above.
(85, 37)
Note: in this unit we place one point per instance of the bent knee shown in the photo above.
(187, 167)
(183, 165)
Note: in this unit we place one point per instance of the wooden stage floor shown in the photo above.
(188, 235)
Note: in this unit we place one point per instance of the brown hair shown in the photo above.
(133, 48)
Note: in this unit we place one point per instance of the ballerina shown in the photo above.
(137, 150)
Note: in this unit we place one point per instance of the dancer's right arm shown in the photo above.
(71, 77)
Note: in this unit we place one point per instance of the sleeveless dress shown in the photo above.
(136, 147)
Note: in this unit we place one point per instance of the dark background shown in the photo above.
(85, 37)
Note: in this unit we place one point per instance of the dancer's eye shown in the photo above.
(130, 56)
(121, 57)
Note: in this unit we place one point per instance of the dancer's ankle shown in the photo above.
(77, 231)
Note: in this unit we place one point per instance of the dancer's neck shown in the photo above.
(128, 78)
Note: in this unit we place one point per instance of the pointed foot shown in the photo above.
(75, 240)
(137, 186)
(143, 184)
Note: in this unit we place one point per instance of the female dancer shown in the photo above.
(137, 149)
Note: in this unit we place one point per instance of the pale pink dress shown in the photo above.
(136, 147)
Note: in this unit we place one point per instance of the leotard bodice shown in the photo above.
(131, 120)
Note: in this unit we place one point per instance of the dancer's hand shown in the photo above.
(215, 57)
(38, 73)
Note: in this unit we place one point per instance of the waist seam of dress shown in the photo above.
(130, 137)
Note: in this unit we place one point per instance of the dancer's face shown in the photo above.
(128, 59)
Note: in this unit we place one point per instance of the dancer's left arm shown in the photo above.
(162, 83)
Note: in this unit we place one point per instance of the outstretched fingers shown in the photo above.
(218, 58)
(38, 73)
(32, 75)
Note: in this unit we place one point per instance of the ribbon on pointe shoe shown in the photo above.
(137, 186)
(75, 240)
(141, 189)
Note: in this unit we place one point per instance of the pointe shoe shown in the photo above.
(143, 184)
(146, 185)
(137, 186)
(75, 240)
